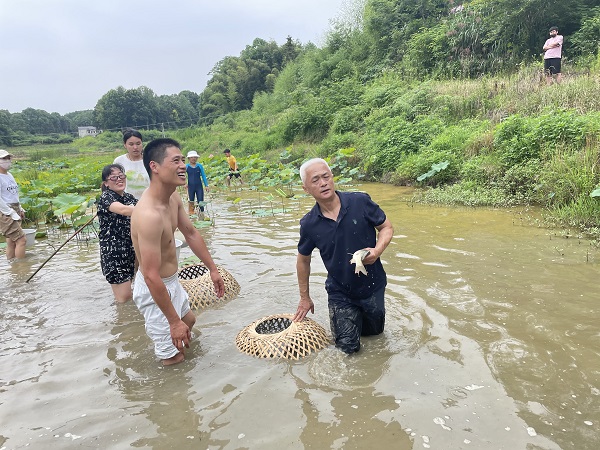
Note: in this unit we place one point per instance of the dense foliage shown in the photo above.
(431, 93)
(235, 80)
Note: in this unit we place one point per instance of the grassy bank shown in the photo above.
(497, 141)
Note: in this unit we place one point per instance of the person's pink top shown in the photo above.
(554, 52)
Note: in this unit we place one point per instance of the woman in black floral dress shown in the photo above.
(117, 256)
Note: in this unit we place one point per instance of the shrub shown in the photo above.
(559, 128)
(455, 138)
(384, 91)
(521, 182)
(586, 41)
(387, 141)
(309, 122)
(485, 170)
(334, 142)
(514, 142)
(349, 118)
(570, 175)
(466, 193)
(415, 165)
(427, 53)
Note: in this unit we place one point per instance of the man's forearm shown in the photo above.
(303, 274)
(383, 240)
(161, 297)
(198, 246)
(384, 237)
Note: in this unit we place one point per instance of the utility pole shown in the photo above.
(163, 128)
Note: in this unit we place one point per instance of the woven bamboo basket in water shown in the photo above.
(196, 281)
(279, 337)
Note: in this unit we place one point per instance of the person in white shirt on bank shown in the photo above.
(11, 212)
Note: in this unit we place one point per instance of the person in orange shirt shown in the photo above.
(234, 171)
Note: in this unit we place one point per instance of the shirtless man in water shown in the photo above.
(157, 292)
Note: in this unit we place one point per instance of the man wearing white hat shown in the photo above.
(11, 212)
(195, 177)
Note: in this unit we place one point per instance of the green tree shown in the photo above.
(18, 123)
(176, 111)
(192, 97)
(80, 119)
(109, 112)
(391, 23)
(236, 80)
(120, 108)
(586, 41)
(499, 34)
(41, 122)
(5, 128)
(290, 51)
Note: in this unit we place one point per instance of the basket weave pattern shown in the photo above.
(196, 281)
(278, 336)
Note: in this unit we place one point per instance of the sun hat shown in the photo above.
(193, 154)
(4, 154)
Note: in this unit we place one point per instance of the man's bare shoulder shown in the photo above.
(145, 211)
(175, 199)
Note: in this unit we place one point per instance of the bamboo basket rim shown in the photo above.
(196, 281)
(296, 340)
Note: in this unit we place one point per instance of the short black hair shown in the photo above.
(130, 132)
(107, 170)
(226, 151)
(553, 29)
(155, 151)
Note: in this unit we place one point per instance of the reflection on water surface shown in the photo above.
(491, 341)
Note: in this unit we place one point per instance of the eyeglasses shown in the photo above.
(118, 177)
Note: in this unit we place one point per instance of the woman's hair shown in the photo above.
(129, 132)
(107, 171)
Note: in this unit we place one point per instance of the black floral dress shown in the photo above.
(117, 256)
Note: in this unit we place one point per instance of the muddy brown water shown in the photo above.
(492, 342)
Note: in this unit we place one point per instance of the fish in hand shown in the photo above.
(357, 258)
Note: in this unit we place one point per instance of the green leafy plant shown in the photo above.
(435, 168)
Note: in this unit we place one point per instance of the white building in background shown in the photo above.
(88, 131)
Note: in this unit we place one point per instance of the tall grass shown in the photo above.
(526, 93)
(507, 139)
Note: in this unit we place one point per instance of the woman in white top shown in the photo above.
(137, 176)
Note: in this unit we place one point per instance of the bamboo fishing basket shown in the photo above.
(196, 281)
(278, 336)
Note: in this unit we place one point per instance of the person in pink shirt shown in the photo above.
(552, 55)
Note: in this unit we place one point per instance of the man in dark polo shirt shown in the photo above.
(338, 225)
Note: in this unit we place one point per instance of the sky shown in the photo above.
(64, 55)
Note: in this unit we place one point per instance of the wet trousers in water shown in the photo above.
(352, 318)
(196, 191)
